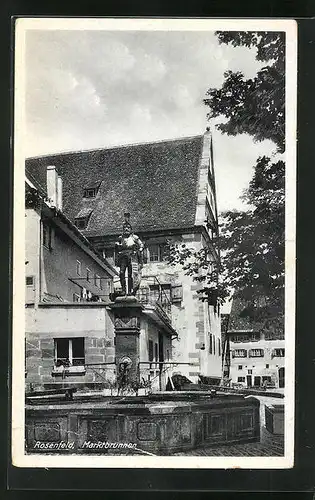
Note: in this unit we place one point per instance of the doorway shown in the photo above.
(257, 381)
(249, 380)
(281, 377)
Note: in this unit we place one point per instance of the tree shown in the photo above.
(254, 106)
(251, 242)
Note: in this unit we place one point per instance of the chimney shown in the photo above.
(54, 187)
(59, 193)
(52, 181)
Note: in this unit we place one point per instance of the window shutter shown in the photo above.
(177, 293)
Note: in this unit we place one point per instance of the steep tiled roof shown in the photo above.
(239, 322)
(156, 182)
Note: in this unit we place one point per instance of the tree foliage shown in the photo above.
(251, 242)
(200, 265)
(255, 106)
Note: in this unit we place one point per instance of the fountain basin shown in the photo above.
(161, 424)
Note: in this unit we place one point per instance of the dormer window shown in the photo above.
(81, 220)
(91, 191)
(81, 223)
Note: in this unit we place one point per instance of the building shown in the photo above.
(169, 189)
(256, 361)
(257, 353)
(71, 327)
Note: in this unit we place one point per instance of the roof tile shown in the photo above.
(156, 182)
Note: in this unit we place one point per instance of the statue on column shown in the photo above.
(129, 252)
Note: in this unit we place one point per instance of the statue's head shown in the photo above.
(127, 229)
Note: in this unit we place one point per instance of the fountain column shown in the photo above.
(127, 311)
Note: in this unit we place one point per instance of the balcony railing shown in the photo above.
(151, 292)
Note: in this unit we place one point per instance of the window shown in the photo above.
(210, 343)
(156, 252)
(97, 280)
(81, 222)
(153, 251)
(90, 193)
(29, 280)
(78, 268)
(156, 351)
(250, 372)
(109, 253)
(88, 274)
(267, 366)
(76, 297)
(240, 367)
(256, 353)
(219, 347)
(241, 379)
(155, 294)
(239, 353)
(150, 350)
(214, 344)
(278, 353)
(47, 235)
(69, 352)
(30, 289)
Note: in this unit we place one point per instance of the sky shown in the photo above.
(93, 89)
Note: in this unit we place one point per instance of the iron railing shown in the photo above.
(151, 292)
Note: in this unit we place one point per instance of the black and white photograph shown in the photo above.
(154, 243)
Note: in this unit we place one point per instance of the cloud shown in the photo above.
(149, 68)
(140, 113)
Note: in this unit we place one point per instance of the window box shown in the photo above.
(70, 370)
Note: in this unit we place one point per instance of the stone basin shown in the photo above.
(161, 424)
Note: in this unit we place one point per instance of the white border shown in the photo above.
(19, 458)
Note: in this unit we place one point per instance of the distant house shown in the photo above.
(257, 351)
(70, 326)
(169, 189)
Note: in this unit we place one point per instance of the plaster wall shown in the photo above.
(191, 318)
(267, 365)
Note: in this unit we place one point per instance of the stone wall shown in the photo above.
(47, 323)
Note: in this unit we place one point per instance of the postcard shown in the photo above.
(154, 243)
